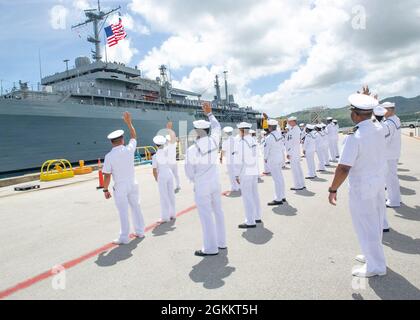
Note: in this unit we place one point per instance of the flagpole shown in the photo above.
(106, 51)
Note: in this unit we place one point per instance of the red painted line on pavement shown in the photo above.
(70, 264)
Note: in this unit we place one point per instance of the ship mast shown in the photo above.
(94, 16)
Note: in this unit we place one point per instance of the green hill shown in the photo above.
(408, 109)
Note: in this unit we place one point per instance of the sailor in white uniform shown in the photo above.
(119, 163)
(332, 139)
(201, 168)
(163, 175)
(274, 157)
(379, 117)
(228, 149)
(393, 153)
(319, 148)
(336, 136)
(362, 161)
(309, 148)
(262, 145)
(302, 131)
(294, 155)
(325, 144)
(171, 149)
(246, 173)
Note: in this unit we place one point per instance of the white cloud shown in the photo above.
(313, 40)
(122, 52)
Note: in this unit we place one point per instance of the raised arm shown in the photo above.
(216, 129)
(128, 120)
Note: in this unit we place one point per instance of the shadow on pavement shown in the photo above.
(305, 193)
(285, 210)
(233, 194)
(407, 178)
(211, 271)
(260, 235)
(407, 191)
(326, 172)
(401, 242)
(120, 253)
(408, 213)
(394, 286)
(319, 180)
(164, 228)
(403, 170)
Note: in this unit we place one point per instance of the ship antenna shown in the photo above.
(95, 16)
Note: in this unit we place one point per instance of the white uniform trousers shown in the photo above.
(234, 186)
(335, 148)
(251, 199)
(326, 156)
(212, 221)
(310, 161)
(174, 169)
(298, 178)
(277, 175)
(321, 161)
(167, 197)
(367, 217)
(332, 149)
(127, 195)
(393, 184)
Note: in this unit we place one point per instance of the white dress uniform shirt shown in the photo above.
(293, 150)
(332, 141)
(309, 146)
(228, 147)
(246, 169)
(201, 168)
(119, 162)
(171, 149)
(364, 152)
(319, 151)
(161, 161)
(274, 150)
(393, 153)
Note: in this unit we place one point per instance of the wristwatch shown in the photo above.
(106, 190)
(332, 191)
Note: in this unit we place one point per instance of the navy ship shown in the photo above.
(74, 110)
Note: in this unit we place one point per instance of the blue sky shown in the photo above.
(281, 56)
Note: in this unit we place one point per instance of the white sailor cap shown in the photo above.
(168, 137)
(272, 122)
(201, 124)
(244, 125)
(310, 126)
(116, 134)
(335, 121)
(159, 140)
(319, 126)
(252, 131)
(329, 119)
(293, 118)
(379, 111)
(323, 125)
(263, 133)
(362, 102)
(388, 105)
(301, 125)
(227, 129)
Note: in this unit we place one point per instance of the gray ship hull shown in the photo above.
(32, 133)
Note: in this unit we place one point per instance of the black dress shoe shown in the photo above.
(295, 189)
(200, 253)
(245, 226)
(321, 170)
(275, 203)
(284, 200)
(386, 230)
(310, 178)
(225, 248)
(258, 221)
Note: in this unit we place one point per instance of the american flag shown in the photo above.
(115, 33)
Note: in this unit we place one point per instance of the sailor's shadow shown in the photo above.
(317, 179)
(305, 193)
(394, 286)
(233, 194)
(407, 178)
(327, 172)
(285, 210)
(211, 271)
(401, 242)
(403, 170)
(164, 228)
(408, 213)
(407, 191)
(120, 253)
(259, 235)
